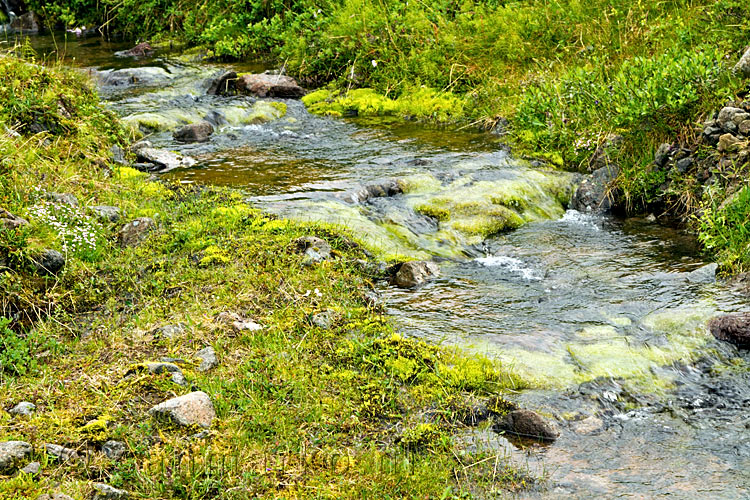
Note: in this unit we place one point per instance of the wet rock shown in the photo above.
(13, 452)
(49, 262)
(32, 468)
(133, 76)
(163, 159)
(114, 450)
(662, 154)
(733, 328)
(415, 273)
(141, 145)
(141, 50)
(588, 425)
(194, 132)
(60, 452)
(743, 65)
(729, 144)
(133, 233)
(28, 22)
(526, 424)
(107, 213)
(216, 118)
(106, 492)
(9, 221)
(263, 85)
(705, 274)
(237, 322)
(208, 359)
(195, 408)
(387, 188)
(223, 83)
(63, 199)
(592, 195)
(23, 409)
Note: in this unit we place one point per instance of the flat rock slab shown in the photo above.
(13, 452)
(163, 159)
(263, 85)
(195, 408)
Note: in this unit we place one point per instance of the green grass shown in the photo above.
(303, 411)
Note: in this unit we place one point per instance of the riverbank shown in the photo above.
(120, 292)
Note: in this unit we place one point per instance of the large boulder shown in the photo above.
(743, 66)
(13, 452)
(415, 273)
(734, 328)
(593, 195)
(194, 132)
(163, 159)
(263, 85)
(195, 408)
(526, 424)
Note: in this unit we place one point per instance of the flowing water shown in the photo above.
(604, 318)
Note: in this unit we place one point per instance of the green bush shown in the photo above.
(17, 353)
(725, 229)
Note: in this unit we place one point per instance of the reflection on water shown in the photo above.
(601, 317)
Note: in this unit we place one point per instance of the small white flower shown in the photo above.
(374, 63)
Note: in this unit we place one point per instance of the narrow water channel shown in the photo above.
(604, 319)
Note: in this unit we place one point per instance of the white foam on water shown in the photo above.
(511, 264)
(580, 218)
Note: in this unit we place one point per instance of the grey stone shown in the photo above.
(106, 492)
(133, 233)
(323, 319)
(684, 164)
(415, 273)
(222, 83)
(237, 322)
(133, 76)
(386, 188)
(743, 65)
(107, 213)
(208, 359)
(60, 452)
(163, 159)
(194, 132)
(24, 408)
(726, 117)
(49, 262)
(63, 199)
(588, 425)
(526, 424)
(118, 155)
(28, 23)
(195, 408)
(141, 145)
(32, 468)
(662, 154)
(738, 118)
(114, 450)
(592, 195)
(263, 85)
(744, 128)
(9, 221)
(171, 331)
(705, 274)
(316, 250)
(13, 452)
(54, 496)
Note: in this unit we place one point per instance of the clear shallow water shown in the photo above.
(601, 316)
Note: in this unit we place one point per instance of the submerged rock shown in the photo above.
(734, 328)
(194, 132)
(593, 193)
(195, 408)
(415, 273)
(526, 424)
(13, 452)
(133, 76)
(263, 85)
(133, 233)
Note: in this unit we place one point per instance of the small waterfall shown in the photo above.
(9, 14)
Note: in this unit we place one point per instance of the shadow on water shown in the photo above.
(603, 318)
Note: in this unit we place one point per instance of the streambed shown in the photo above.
(603, 318)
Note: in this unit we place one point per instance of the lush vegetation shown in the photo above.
(325, 400)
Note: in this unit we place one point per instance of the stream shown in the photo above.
(603, 318)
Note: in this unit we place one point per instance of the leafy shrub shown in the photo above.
(725, 229)
(17, 353)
